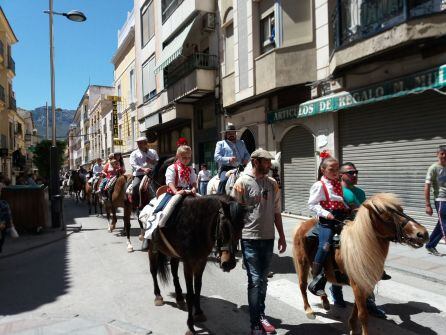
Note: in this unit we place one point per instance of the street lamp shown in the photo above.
(56, 201)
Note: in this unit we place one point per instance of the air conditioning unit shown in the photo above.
(209, 22)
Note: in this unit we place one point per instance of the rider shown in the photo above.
(143, 161)
(229, 153)
(111, 170)
(326, 200)
(82, 173)
(97, 172)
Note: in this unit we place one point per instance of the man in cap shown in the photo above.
(261, 195)
(143, 161)
(229, 153)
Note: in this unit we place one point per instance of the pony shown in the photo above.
(198, 224)
(93, 197)
(364, 245)
(118, 199)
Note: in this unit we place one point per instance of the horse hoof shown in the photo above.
(190, 333)
(129, 248)
(310, 314)
(200, 317)
(141, 237)
(159, 301)
(181, 304)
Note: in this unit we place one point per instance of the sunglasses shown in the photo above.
(351, 173)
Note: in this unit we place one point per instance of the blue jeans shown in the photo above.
(222, 183)
(202, 188)
(325, 239)
(257, 256)
(438, 232)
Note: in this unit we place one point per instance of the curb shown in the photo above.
(40, 245)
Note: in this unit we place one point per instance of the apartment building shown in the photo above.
(176, 45)
(126, 87)
(9, 139)
(378, 100)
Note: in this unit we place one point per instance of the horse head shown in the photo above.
(392, 224)
(231, 221)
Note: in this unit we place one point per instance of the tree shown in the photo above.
(42, 157)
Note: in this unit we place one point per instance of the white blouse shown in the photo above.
(317, 195)
(170, 177)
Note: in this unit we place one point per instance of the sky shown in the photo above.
(83, 51)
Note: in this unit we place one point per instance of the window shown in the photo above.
(147, 23)
(133, 129)
(267, 33)
(168, 7)
(132, 86)
(229, 49)
(148, 80)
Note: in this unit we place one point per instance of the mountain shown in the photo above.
(64, 118)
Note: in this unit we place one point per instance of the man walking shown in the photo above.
(261, 195)
(229, 153)
(354, 197)
(436, 179)
(142, 161)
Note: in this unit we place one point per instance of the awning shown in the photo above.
(414, 83)
(174, 48)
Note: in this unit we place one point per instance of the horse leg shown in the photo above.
(153, 261)
(174, 263)
(127, 213)
(361, 310)
(141, 227)
(302, 268)
(199, 315)
(189, 278)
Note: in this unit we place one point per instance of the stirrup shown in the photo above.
(317, 285)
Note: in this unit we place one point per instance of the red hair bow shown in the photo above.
(181, 141)
(324, 154)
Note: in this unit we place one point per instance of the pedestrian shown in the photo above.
(261, 195)
(229, 153)
(6, 223)
(326, 200)
(354, 197)
(142, 161)
(436, 179)
(203, 179)
(180, 177)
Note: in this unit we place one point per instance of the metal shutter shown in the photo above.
(393, 143)
(298, 170)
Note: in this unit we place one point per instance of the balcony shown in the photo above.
(365, 27)
(12, 103)
(11, 65)
(192, 79)
(2, 94)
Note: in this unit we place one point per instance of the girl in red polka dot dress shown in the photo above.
(326, 200)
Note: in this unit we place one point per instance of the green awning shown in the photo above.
(414, 83)
(174, 48)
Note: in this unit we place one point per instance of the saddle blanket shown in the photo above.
(152, 221)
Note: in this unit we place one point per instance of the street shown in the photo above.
(87, 283)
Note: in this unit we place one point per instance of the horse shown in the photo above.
(194, 229)
(77, 184)
(92, 196)
(364, 245)
(119, 199)
(232, 175)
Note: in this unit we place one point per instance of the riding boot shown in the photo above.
(317, 285)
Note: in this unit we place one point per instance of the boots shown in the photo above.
(317, 285)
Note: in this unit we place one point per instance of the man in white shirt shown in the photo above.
(142, 161)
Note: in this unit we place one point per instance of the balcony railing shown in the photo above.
(355, 20)
(193, 62)
(11, 64)
(12, 103)
(2, 94)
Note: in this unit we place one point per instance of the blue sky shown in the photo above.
(82, 50)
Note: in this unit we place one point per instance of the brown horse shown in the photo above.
(92, 196)
(198, 224)
(363, 251)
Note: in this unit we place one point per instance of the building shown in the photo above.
(9, 129)
(87, 137)
(31, 137)
(176, 47)
(379, 98)
(126, 87)
(268, 62)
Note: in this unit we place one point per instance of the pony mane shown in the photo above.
(362, 253)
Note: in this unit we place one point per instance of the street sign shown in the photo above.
(118, 142)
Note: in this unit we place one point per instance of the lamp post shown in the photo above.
(56, 205)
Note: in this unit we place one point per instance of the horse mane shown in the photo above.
(362, 253)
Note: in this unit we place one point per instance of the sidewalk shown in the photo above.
(414, 262)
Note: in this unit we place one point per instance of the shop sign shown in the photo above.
(430, 79)
(118, 142)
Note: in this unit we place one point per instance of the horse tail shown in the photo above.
(163, 269)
